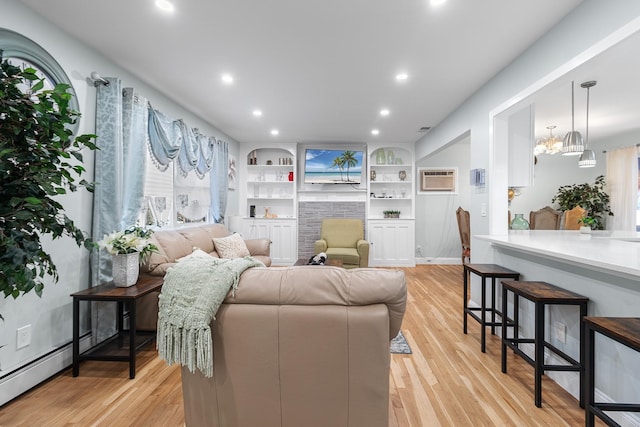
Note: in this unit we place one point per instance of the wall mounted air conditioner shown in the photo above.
(438, 180)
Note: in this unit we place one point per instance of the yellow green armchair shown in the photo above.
(343, 238)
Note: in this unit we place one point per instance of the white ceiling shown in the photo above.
(320, 70)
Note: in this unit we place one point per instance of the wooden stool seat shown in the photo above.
(625, 330)
(494, 272)
(541, 294)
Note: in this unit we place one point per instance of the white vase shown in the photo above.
(585, 230)
(125, 269)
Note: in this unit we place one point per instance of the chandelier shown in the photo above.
(549, 145)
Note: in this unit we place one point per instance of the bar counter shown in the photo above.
(616, 253)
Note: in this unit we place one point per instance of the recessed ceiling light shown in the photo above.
(164, 5)
(227, 78)
(437, 2)
(402, 77)
(257, 113)
(384, 112)
(375, 132)
(274, 132)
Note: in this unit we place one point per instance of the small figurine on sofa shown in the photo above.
(319, 259)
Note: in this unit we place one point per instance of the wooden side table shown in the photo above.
(115, 348)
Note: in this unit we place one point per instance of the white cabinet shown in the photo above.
(521, 141)
(267, 182)
(391, 183)
(391, 243)
(282, 234)
(391, 207)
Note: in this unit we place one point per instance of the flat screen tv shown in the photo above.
(332, 166)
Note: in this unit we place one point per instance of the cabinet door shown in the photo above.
(283, 242)
(521, 137)
(391, 243)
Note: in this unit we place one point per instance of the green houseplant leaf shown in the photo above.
(590, 197)
(39, 159)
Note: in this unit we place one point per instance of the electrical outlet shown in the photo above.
(418, 248)
(483, 209)
(561, 332)
(23, 336)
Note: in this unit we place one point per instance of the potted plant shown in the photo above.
(128, 248)
(592, 198)
(40, 160)
(588, 223)
(391, 214)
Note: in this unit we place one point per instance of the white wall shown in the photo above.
(51, 315)
(436, 225)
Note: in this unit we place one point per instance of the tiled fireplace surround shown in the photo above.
(311, 214)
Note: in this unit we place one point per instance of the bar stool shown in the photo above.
(625, 330)
(541, 294)
(493, 271)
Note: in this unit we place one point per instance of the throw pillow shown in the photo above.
(231, 246)
(197, 253)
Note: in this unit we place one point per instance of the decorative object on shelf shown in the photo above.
(232, 174)
(519, 223)
(402, 175)
(291, 176)
(391, 214)
(381, 159)
(573, 144)
(128, 247)
(548, 145)
(269, 163)
(399, 161)
(253, 158)
(372, 175)
(588, 157)
(391, 157)
(592, 198)
(252, 211)
(268, 214)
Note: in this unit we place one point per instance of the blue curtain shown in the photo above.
(121, 126)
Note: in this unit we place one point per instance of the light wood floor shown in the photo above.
(447, 381)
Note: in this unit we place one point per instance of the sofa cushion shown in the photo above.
(197, 253)
(231, 246)
(199, 238)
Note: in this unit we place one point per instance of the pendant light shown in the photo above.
(573, 144)
(548, 145)
(588, 157)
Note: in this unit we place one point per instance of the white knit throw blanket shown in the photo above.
(191, 295)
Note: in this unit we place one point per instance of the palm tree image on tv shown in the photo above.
(333, 166)
(346, 159)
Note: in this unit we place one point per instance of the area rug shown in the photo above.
(399, 345)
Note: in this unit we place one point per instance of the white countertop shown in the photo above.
(614, 252)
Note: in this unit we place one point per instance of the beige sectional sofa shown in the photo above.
(175, 244)
(300, 346)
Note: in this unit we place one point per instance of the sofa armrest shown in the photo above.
(363, 251)
(259, 247)
(319, 246)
